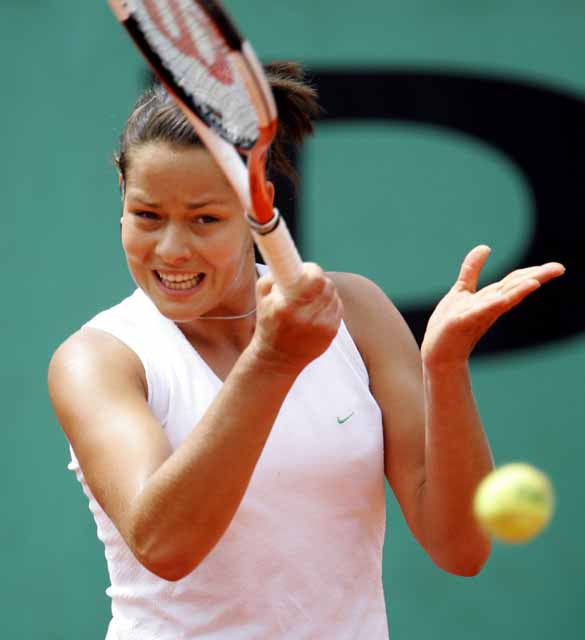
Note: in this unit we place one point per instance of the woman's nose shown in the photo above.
(173, 247)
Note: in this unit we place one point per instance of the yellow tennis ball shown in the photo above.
(514, 502)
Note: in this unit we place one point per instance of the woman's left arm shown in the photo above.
(436, 451)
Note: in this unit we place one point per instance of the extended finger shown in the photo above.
(496, 299)
(542, 274)
(513, 294)
(547, 272)
(497, 291)
(471, 268)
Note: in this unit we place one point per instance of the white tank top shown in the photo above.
(302, 558)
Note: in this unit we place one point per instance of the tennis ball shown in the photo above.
(514, 502)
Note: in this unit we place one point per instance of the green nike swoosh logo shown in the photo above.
(342, 420)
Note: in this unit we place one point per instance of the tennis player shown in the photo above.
(233, 441)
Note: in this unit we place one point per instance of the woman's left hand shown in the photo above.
(465, 314)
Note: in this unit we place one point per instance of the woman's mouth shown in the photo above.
(180, 281)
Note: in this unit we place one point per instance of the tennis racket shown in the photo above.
(213, 74)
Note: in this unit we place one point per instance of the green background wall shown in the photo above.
(69, 78)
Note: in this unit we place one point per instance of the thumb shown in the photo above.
(471, 268)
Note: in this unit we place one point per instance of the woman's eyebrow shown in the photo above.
(143, 201)
(200, 204)
(191, 206)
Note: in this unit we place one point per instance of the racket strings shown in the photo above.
(198, 58)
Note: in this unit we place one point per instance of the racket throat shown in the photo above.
(262, 199)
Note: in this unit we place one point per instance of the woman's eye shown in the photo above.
(205, 219)
(147, 215)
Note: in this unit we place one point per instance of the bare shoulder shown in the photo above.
(357, 290)
(88, 364)
(90, 353)
(372, 319)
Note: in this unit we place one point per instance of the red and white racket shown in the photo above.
(195, 50)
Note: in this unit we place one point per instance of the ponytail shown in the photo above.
(296, 102)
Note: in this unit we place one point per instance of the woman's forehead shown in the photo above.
(161, 154)
(156, 165)
(158, 171)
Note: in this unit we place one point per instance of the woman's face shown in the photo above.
(186, 241)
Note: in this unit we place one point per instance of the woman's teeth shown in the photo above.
(180, 281)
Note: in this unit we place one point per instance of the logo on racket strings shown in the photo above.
(184, 41)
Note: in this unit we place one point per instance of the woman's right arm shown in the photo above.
(171, 508)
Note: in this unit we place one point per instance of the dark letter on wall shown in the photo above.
(541, 130)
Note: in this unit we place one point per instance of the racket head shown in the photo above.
(197, 52)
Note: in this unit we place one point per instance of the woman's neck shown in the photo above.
(231, 325)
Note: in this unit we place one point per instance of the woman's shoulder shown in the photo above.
(103, 346)
(371, 317)
(112, 337)
(89, 355)
(362, 297)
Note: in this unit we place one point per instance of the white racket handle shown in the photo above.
(280, 253)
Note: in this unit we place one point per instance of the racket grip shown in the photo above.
(278, 250)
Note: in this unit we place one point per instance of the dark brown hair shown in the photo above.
(156, 118)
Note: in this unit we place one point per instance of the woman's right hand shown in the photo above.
(297, 326)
